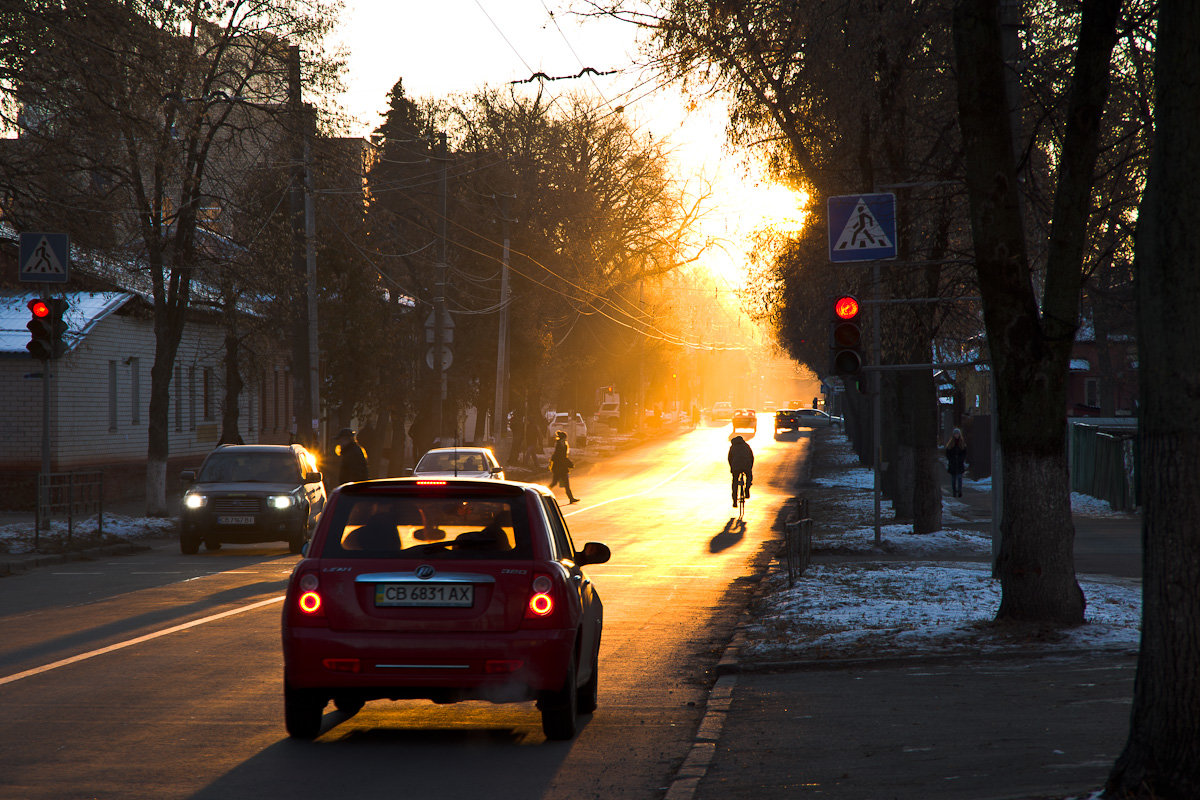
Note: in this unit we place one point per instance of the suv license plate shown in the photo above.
(235, 520)
(443, 595)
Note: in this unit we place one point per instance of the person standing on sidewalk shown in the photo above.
(561, 464)
(956, 461)
(352, 458)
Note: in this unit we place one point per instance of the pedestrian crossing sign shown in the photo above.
(862, 227)
(45, 257)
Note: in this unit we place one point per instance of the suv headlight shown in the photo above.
(194, 500)
(282, 501)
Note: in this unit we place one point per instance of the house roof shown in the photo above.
(84, 310)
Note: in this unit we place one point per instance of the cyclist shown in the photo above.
(741, 461)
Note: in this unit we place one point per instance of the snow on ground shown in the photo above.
(18, 537)
(939, 600)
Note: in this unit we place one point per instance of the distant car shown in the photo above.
(561, 422)
(815, 418)
(609, 413)
(786, 420)
(769, 406)
(442, 590)
(745, 421)
(722, 410)
(251, 493)
(459, 462)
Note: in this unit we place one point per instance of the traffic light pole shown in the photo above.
(876, 405)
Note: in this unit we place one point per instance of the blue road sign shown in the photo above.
(862, 227)
(45, 257)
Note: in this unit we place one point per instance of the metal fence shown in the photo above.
(1104, 462)
(70, 494)
(798, 541)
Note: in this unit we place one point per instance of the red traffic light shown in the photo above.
(846, 307)
(39, 307)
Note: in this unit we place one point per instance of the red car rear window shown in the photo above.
(445, 526)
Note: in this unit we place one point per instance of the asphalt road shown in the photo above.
(159, 675)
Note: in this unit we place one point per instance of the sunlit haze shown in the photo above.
(457, 46)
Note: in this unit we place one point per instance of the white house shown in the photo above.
(99, 394)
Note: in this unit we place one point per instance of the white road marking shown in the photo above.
(137, 640)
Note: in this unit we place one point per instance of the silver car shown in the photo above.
(459, 462)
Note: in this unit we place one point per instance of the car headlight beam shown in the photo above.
(281, 501)
(193, 500)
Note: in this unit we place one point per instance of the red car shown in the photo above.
(443, 590)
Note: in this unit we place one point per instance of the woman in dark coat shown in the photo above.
(956, 461)
(560, 465)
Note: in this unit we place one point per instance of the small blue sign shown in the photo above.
(45, 257)
(862, 227)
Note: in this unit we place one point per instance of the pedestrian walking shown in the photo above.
(561, 465)
(352, 458)
(956, 461)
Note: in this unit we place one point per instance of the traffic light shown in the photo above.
(46, 327)
(847, 337)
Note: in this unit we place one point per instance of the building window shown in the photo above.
(1091, 392)
(275, 403)
(112, 396)
(135, 390)
(191, 398)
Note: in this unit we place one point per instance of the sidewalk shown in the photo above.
(851, 685)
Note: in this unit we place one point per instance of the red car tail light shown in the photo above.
(309, 601)
(543, 599)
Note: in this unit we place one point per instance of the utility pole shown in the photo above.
(302, 403)
(439, 297)
(502, 343)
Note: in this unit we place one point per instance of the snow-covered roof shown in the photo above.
(84, 310)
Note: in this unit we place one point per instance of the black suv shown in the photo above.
(251, 493)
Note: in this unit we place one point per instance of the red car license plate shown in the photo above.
(446, 595)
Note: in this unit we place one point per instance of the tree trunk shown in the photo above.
(1030, 342)
(234, 384)
(1162, 756)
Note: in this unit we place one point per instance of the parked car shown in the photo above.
(744, 422)
(609, 414)
(561, 422)
(442, 590)
(815, 418)
(721, 411)
(459, 462)
(251, 493)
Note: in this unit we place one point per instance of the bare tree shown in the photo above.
(1162, 756)
(1030, 338)
(145, 101)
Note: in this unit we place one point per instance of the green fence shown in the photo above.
(1104, 462)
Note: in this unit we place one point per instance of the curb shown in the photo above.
(35, 560)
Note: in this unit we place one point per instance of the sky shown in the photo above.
(451, 46)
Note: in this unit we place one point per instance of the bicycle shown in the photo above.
(741, 495)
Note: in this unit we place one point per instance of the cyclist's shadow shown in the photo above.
(732, 533)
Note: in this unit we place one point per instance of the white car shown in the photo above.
(561, 422)
(459, 462)
(722, 410)
(815, 418)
